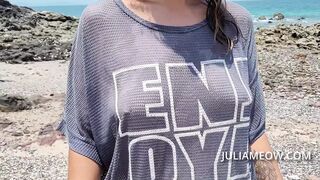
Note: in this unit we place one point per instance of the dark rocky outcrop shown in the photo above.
(305, 37)
(5, 3)
(14, 103)
(27, 35)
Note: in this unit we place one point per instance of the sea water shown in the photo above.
(308, 11)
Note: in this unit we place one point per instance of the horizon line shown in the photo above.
(54, 5)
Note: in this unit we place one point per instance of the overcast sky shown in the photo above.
(50, 2)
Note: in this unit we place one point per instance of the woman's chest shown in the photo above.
(170, 82)
(160, 97)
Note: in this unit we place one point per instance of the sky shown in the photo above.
(50, 2)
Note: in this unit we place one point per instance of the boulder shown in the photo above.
(262, 18)
(4, 123)
(7, 38)
(270, 40)
(14, 103)
(278, 16)
(25, 57)
(296, 35)
(50, 16)
(5, 3)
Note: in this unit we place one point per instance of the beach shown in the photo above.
(34, 59)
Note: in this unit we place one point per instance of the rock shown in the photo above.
(26, 131)
(5, 3)
(306, 43)
(278, 16)
(7, 38)
(293, 177)
(290, 42)
(302, 41)
(8, 10)
(14, 103)
(12, 26)
(262, 18)
(49, 140)
(269, 33)
(269, 40)
(301, 18)
(27, 57)
(17, 133)
(300, 56)
(4, 123)
(284, 38)
(15, 61)
(315, 104)
(296, 35)
(312, 177)
(50, 16)
(37, 99)
(46, 130)
(278, 31)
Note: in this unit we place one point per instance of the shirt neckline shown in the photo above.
(159, 27)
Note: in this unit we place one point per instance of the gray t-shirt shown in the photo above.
(150, 101)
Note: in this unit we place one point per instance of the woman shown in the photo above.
(165, 90)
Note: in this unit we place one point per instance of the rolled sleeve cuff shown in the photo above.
(78, 145)
(256, 134)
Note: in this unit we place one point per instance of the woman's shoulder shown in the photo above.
(239, 12)
(101, 10)
(242, 16)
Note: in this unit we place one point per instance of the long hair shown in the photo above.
(218, 17)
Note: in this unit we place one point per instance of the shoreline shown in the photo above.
(306, 19)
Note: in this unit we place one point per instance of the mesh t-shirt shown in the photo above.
(150, 101)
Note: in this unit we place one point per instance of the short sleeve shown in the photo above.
(75, 124)
(258, 112)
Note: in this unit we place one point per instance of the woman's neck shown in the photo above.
(169, 12)
(172, 2)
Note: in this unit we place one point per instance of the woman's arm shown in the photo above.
(82, 168)
(258, 140)
(84, 161)
(265, 169)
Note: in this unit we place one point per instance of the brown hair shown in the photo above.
(218, 17)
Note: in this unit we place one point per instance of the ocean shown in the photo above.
(292, 9)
